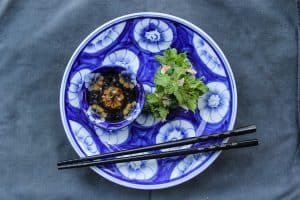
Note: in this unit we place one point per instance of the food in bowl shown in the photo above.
(112, 95)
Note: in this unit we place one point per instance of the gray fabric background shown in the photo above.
(37, 39)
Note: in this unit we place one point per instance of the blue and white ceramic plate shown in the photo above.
(132, 41)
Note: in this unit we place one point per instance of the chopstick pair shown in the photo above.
(95, 160)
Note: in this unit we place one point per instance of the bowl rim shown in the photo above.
(127, 17)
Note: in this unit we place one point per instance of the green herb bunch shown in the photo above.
(176, 85)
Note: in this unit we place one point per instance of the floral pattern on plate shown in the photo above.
(76, 83)
(214, 105)
(175, 130)
(208, 56)
(138, 170)
(112, 137)
(153, 35)
(147, 119)
(85, 140)
(187, 164)
(124, 58)
(104, 39)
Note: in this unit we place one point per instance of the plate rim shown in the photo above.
(93, 34)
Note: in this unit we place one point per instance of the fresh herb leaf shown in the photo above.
(179, 97)
(176, 85)
(162, 80)
(163, 112)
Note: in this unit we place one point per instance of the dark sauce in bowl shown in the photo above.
(112, 95)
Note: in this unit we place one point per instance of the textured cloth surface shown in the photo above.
(37, 39)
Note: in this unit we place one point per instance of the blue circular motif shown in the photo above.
(146, 119)
(175, 130)
(138, 170)
(133, 41)
(104, 39)
(188, 164)
(74, 90)
(84, 139)
(214, 105)
(112, 137)
(208, 56)
(153, 35)
(124, 58)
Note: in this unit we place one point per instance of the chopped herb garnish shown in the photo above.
(176, 85)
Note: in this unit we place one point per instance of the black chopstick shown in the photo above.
(192, 140)
(182, 152)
